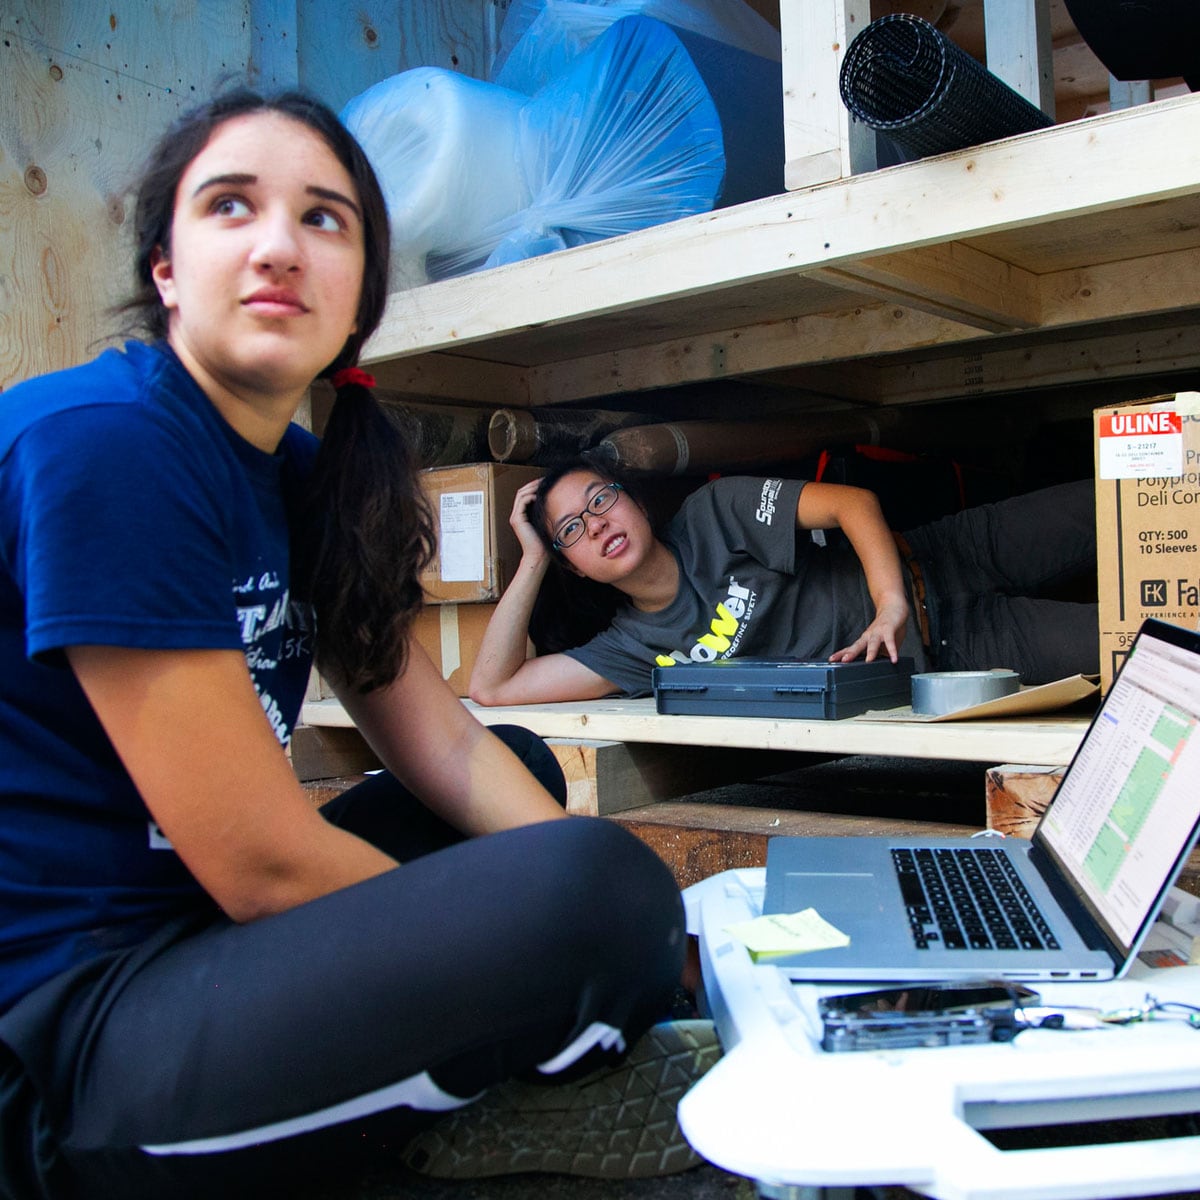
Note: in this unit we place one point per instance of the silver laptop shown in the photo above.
(1074, 902)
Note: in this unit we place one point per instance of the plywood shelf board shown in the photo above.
(1121, 161)
(774, 822)
(699, 840)
(877, 353)
(1050, 741)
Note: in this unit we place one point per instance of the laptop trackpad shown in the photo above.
(833, 893)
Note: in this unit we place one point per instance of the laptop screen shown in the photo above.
(1130, 802)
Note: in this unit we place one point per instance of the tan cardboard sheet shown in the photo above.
(1029, 701)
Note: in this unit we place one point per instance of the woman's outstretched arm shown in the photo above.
(857, 514)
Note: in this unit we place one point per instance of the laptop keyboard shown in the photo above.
(969, 899)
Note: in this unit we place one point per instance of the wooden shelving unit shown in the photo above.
(1061, 256)
(1068, 256)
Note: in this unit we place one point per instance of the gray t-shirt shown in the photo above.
(750, 584)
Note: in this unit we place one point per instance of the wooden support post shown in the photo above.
(1019, 49)
(1125, 93)
(606, 777)
(820, 141)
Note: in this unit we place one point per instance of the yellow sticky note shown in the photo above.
(780, 934)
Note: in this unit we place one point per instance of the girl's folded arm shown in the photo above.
(192, 734)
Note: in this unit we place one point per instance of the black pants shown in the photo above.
(991, 572)
(224, 1059)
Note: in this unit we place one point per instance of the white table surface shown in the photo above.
(780, 1110)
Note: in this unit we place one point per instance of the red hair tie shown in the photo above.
(349, 375)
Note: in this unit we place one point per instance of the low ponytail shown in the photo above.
(366, 535)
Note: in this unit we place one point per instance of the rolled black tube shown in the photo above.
(905, 79)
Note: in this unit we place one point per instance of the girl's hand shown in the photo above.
(885, 633)
(532, 546)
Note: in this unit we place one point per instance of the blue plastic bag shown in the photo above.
(539, 38)
(476, 175)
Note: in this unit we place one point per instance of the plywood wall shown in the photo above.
(343, 48)
(85, 89)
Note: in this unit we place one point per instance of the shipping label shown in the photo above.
(1135, 443)
(461, 536)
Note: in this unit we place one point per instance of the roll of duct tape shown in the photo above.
(936, 693)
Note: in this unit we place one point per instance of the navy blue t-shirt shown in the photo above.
(131, 514)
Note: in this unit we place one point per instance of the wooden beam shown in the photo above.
(1020, 50)
(867, 329)
(820, 140)
(938, 279)
(605, 777)
(319, 752)
(453, 377)
(952, 281)
(1049, 740)
(697, 840)
(1007, 368)
(1109, 291)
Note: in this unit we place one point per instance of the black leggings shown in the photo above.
(992, 572)
(231, 1059)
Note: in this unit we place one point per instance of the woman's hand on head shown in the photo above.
(532, 545)
(884, 636)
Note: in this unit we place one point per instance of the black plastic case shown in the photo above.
(782, 687)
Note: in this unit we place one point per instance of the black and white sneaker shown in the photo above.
(617, 1123)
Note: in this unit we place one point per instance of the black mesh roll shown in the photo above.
(904, 78)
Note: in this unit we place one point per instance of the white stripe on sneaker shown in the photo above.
(616, 1123)
(596, 1034)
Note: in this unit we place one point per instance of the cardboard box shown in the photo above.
(477, 549)
(451, 635)
(1147, 519)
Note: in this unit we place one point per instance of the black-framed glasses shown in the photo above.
(573, 528)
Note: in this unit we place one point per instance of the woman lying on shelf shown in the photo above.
(738, 572)
(207, 985)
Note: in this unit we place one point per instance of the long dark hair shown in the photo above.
(366, 530)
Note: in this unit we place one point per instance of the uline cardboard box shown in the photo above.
(451, 635)
(1147, 519)
(477, 551)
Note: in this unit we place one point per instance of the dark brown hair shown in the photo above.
(366, 531)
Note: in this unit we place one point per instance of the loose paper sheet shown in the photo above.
(1027, 702)
(779, 934)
